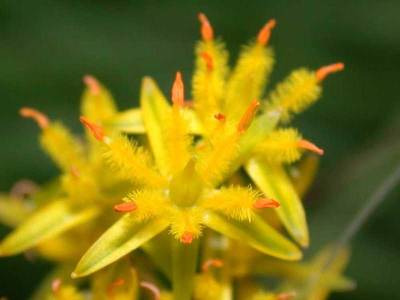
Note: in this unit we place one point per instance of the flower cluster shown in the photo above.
(200, 188)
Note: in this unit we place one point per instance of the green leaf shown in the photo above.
(154, 109)
(184, 262)
(121, 238)
(275, 183)
(257, 234)
(49, 221)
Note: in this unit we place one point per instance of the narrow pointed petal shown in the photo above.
(261, 126)
(13, 211)
(97, 102)
(257, 234)
(128, 121)
(48, 222)
(184, 262)
(121, 238)
(274, 182)
(154, 109)
(131, 121)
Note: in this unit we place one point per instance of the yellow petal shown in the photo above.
(46, 223)
(120, 239)
(257, 234)
(275, 183)
(248, 79)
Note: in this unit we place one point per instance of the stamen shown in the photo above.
(265, 32)
(92, 84)
(178, 97)
(286, 296)
(324, 71)
(116, 283)
(187, 237)
(41, 119)
(152, 288)
(207, 32)
(125, 207)
(220, 117)
(55, 285)
(248, 116)
(74, 171)
(304, 144)
(217, 263)
(208, 60)
(266, 203)
(97, 131)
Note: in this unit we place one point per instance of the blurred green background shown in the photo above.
(47, 46)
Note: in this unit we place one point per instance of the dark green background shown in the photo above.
(47, 46)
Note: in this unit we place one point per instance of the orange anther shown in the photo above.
(248, 116)
(177, 96)
(116, 283)
(41, 119)
(187, 237)
(217, 263)
(266, 203)
(152, 288)
(304, 144)
(286, 296)
(92, 84)
(265, 32)
(74, 171)
(324, 71)
(125, 207)
(208, 60)
(55, 285)
(220, 117)
(207, 32)
(97, 131)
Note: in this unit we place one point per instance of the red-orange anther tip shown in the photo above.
(207, 32)
(217, 263)
(208, 60)
(116, 283)
(324, 71)
(96, 130)
(125, 207)
(248, 116)
(92, 84)
(177, 94)
(187, 237)
(152, 288)
(55, 285)
(310, 146)
(286, 296)
(265, 32)
(41, 119)
(266, 203)
(220, 117)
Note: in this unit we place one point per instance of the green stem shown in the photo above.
(184, 263)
